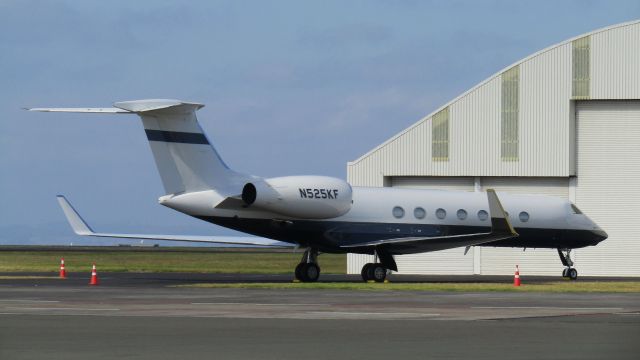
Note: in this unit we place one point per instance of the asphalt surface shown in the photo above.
(140, 316)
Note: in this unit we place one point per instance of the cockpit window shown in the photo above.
(575, 209)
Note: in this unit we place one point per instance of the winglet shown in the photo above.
(78, 225)
(499, 219)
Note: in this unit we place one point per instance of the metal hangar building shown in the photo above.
(564, 121)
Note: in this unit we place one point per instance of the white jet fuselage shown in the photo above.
(391, 213)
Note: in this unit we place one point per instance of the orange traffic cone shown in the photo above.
(516, 278)
(94, 276)
(63, 273)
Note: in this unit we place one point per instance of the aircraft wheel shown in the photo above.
(309, 272)
(565, 272)
(573, 274)
(298, 272)
(377, 273)
(365, 272)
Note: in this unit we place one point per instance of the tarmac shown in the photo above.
(142, 316)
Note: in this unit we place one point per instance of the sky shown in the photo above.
(290, 87)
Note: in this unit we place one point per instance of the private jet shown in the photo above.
(327, 215)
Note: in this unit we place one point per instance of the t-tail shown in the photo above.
(186, 160)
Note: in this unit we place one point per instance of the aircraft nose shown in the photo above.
(599, 235)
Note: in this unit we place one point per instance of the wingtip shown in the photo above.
(76, 222)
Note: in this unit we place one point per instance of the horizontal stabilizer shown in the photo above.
(82, 110)
(80, 227)
(132, 107)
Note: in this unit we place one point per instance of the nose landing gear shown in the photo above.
(569, 271)
(308, 270)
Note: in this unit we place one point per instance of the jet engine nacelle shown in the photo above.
(309, 197)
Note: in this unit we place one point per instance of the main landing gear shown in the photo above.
(569, 271)
(377, 271)
(373, 271)
(308, 269)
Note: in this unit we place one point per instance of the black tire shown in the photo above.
(573, 274)
(377, 273)
(365, 272)
(310, 272)
(565, 272)
(298, 271)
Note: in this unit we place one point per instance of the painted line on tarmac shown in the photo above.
(54, 308)
(547, 307)
(369, 313)
(254, 304)
(27, 300)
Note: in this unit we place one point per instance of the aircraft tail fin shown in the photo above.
(184, 156)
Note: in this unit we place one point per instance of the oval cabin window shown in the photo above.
(441, 213)
(398, 212)
(483, 215)
(462, 214)
(524, 216)
(419, 213)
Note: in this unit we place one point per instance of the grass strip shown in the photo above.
(560, 286)
(214, 261)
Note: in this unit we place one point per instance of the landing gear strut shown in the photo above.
(308, 269)
(377, 271)
(569, 271)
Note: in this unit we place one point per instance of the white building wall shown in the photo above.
(545, 90)
(474, 119)
(615, 63)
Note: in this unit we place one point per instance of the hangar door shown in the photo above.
(608, 184)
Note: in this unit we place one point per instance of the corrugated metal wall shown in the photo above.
(452, 261)
(615, 59)
(608, 184)
(422, 182)
(528, 185)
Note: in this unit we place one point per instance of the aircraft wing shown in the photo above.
(501, 229)
(80, 227)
